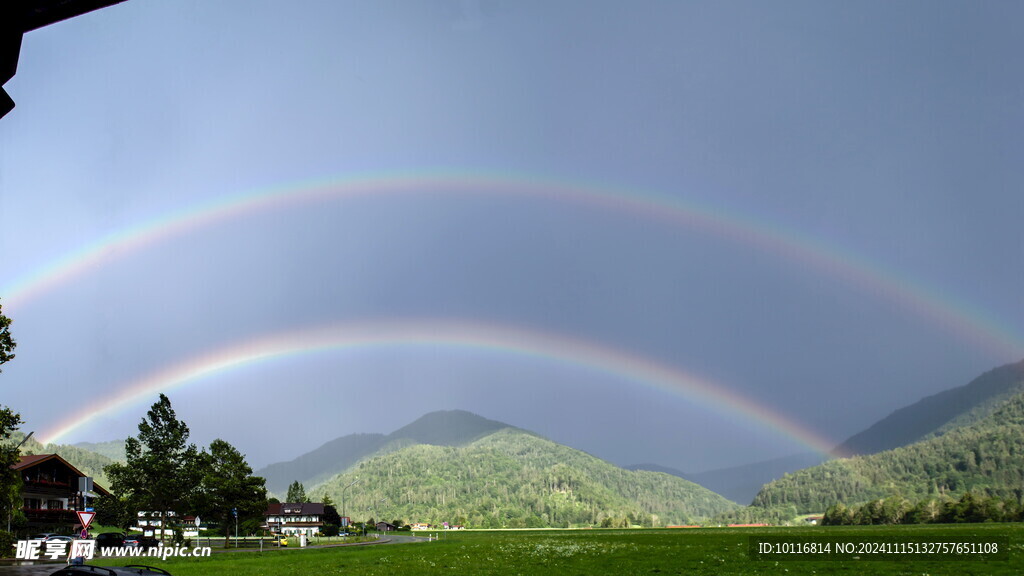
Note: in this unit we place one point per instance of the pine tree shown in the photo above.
(296, 493)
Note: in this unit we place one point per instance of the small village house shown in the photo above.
(295, 518)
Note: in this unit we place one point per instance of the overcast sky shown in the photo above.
(883, 139)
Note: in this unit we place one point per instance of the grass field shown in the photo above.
(712, 551)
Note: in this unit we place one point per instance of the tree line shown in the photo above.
(896, 510)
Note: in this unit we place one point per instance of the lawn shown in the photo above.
(712, 551)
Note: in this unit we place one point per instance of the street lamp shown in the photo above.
(343, 498)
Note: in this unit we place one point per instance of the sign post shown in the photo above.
(85, 486)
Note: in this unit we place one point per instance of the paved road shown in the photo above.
(35, 570)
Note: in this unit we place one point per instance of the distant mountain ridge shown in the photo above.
(113, 449)
(742, 483)
(442, 428)
(940, 412)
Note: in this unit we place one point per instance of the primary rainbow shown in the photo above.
(967, 322)
(449, 334)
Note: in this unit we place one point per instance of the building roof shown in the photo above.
(29, 461)
(295, 508)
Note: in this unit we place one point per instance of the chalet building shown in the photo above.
(49, 492)
(385, 527)
(295, 518)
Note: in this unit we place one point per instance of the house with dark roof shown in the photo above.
(295, 518)
(50, 491)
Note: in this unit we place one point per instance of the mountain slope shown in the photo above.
(87, 461)
(332, 457)
(986, 457)
(940, 412)
(512, 478)
(442, 428)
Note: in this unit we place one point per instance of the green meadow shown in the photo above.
(711, 551)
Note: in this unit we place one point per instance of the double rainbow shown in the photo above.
(964, 321)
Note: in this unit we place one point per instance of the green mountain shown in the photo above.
(512, 478)
(443, 428)
(985, 457)
(89, 462)
(939, 413)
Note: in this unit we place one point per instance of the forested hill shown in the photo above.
(936, 414)
(516, 479)
(986, 458)
(443, 428)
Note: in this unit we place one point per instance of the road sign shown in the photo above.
(89, 509)
(197, 521)
(85, 518)
(85, 534)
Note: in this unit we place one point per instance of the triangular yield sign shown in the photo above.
(85, 518)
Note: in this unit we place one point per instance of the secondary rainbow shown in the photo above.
(967, 322)
(449, 334)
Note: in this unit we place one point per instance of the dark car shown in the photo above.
(110, 540)
(109, 570)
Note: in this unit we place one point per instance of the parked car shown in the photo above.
(43, 536)
(109, 570)
(110, 540)
(280, 540)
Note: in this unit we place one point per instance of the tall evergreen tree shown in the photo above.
(162, 472)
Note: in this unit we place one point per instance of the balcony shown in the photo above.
(50, 515)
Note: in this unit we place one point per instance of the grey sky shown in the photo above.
(889, 132)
